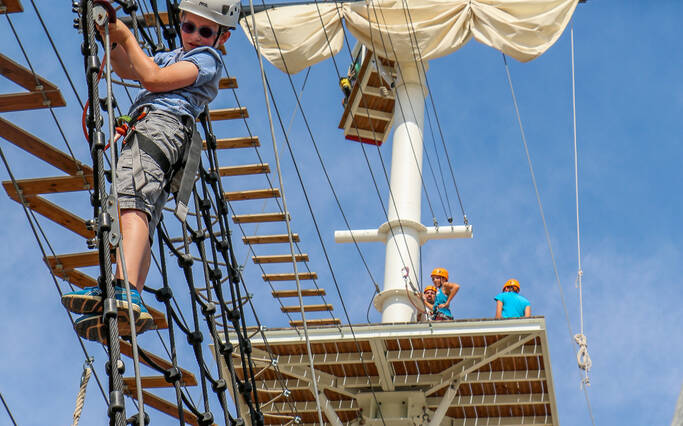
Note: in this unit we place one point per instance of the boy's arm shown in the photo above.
(137, 65)
(527, 311)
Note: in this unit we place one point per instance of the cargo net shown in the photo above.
(217, 301)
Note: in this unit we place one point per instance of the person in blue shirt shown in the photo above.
(444, 295)
(509, 304)
(176, 86)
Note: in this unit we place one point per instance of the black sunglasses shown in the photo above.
(190, 28)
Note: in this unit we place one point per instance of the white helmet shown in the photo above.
(223, 12)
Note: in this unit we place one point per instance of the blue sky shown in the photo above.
(629, 104)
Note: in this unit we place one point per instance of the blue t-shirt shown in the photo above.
(189, 100)
(513, 304)
(442, 298)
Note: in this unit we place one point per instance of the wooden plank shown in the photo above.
(227, 83)
(289, 277)
(21, 75)
(75, 260)
(315, 322)
(279, 258)
(258, 218)
(50, 185)
(304, 292)
(164, 406)
(252, 194)
(13, 6)
(308, 308)
(31, 100)
(228, 114)
(360, 78)
(42, 150)
(247, 169)
(366, 134)
(127, 350)
(373, 113)
(55, 213)
(230, 143)
(156, 382)
(269, 239)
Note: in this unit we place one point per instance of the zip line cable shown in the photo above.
(545, 225)
(583, 359)
(9, 413)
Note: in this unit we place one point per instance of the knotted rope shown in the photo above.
(80, 399)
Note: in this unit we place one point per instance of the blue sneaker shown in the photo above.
(91, 326)
(89, 300)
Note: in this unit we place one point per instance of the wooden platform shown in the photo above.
(480, 372)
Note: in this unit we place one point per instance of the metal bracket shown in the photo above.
(111, 206)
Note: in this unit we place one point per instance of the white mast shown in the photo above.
(404, 233)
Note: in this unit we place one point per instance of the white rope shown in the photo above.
(80, 399)
(286, 212)
(582, 356)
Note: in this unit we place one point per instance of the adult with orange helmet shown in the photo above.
(444, 295)
(509, 304)
(428, 297)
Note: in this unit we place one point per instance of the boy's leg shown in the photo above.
(135, 244)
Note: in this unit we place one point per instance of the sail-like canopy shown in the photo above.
(295, 37)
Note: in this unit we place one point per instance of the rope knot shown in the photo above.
(582, 357)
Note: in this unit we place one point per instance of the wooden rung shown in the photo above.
(315, 322)
(75, 260)
(307, 308)
(156, 382)
(227, 83)
(50, 185)
(252, 194)
(31, 100)
(376, 92)
(230, 143)
(289, 277)
(372, 113)
(304, 292)
(55, 213)
(165, 406)
(248, 169)
(41, 149)
(13, 6)
(269, 239)
(258, 218)
(228, 114)
(279, 258)
(127, 350)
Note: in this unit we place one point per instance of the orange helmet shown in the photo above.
(511, 283)
(430, 287)
(440, 272)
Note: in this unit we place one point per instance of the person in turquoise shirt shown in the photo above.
(444, 295)
(509, 304)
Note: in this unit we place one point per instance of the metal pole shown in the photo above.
(403, 245)
(678, 412)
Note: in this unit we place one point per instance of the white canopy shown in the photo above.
(295, 37)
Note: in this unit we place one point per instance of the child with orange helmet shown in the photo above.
(446, 292)
(509, 304)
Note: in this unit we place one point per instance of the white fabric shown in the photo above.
(407, 29)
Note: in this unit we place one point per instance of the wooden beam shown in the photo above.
(42, 150)
(227, 83)
(21, 75)
(127, 350)
(289, 277)
(51, 185)
(247, 169)
(31, 100)
(259, 218)
(55, 213)
(227, 114)
(294, 293)
(75, 260)
(252, 194)
(12, 6)
(269, 239)
(157, 382)
(164, 406)
(373, 113)
(308, 308)
(280, 258)
(315, 322)
(230, 143)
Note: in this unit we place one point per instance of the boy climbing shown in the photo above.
(177, 85)
(509, 304)
(446, 292)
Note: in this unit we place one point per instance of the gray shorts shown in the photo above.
(170, 135)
